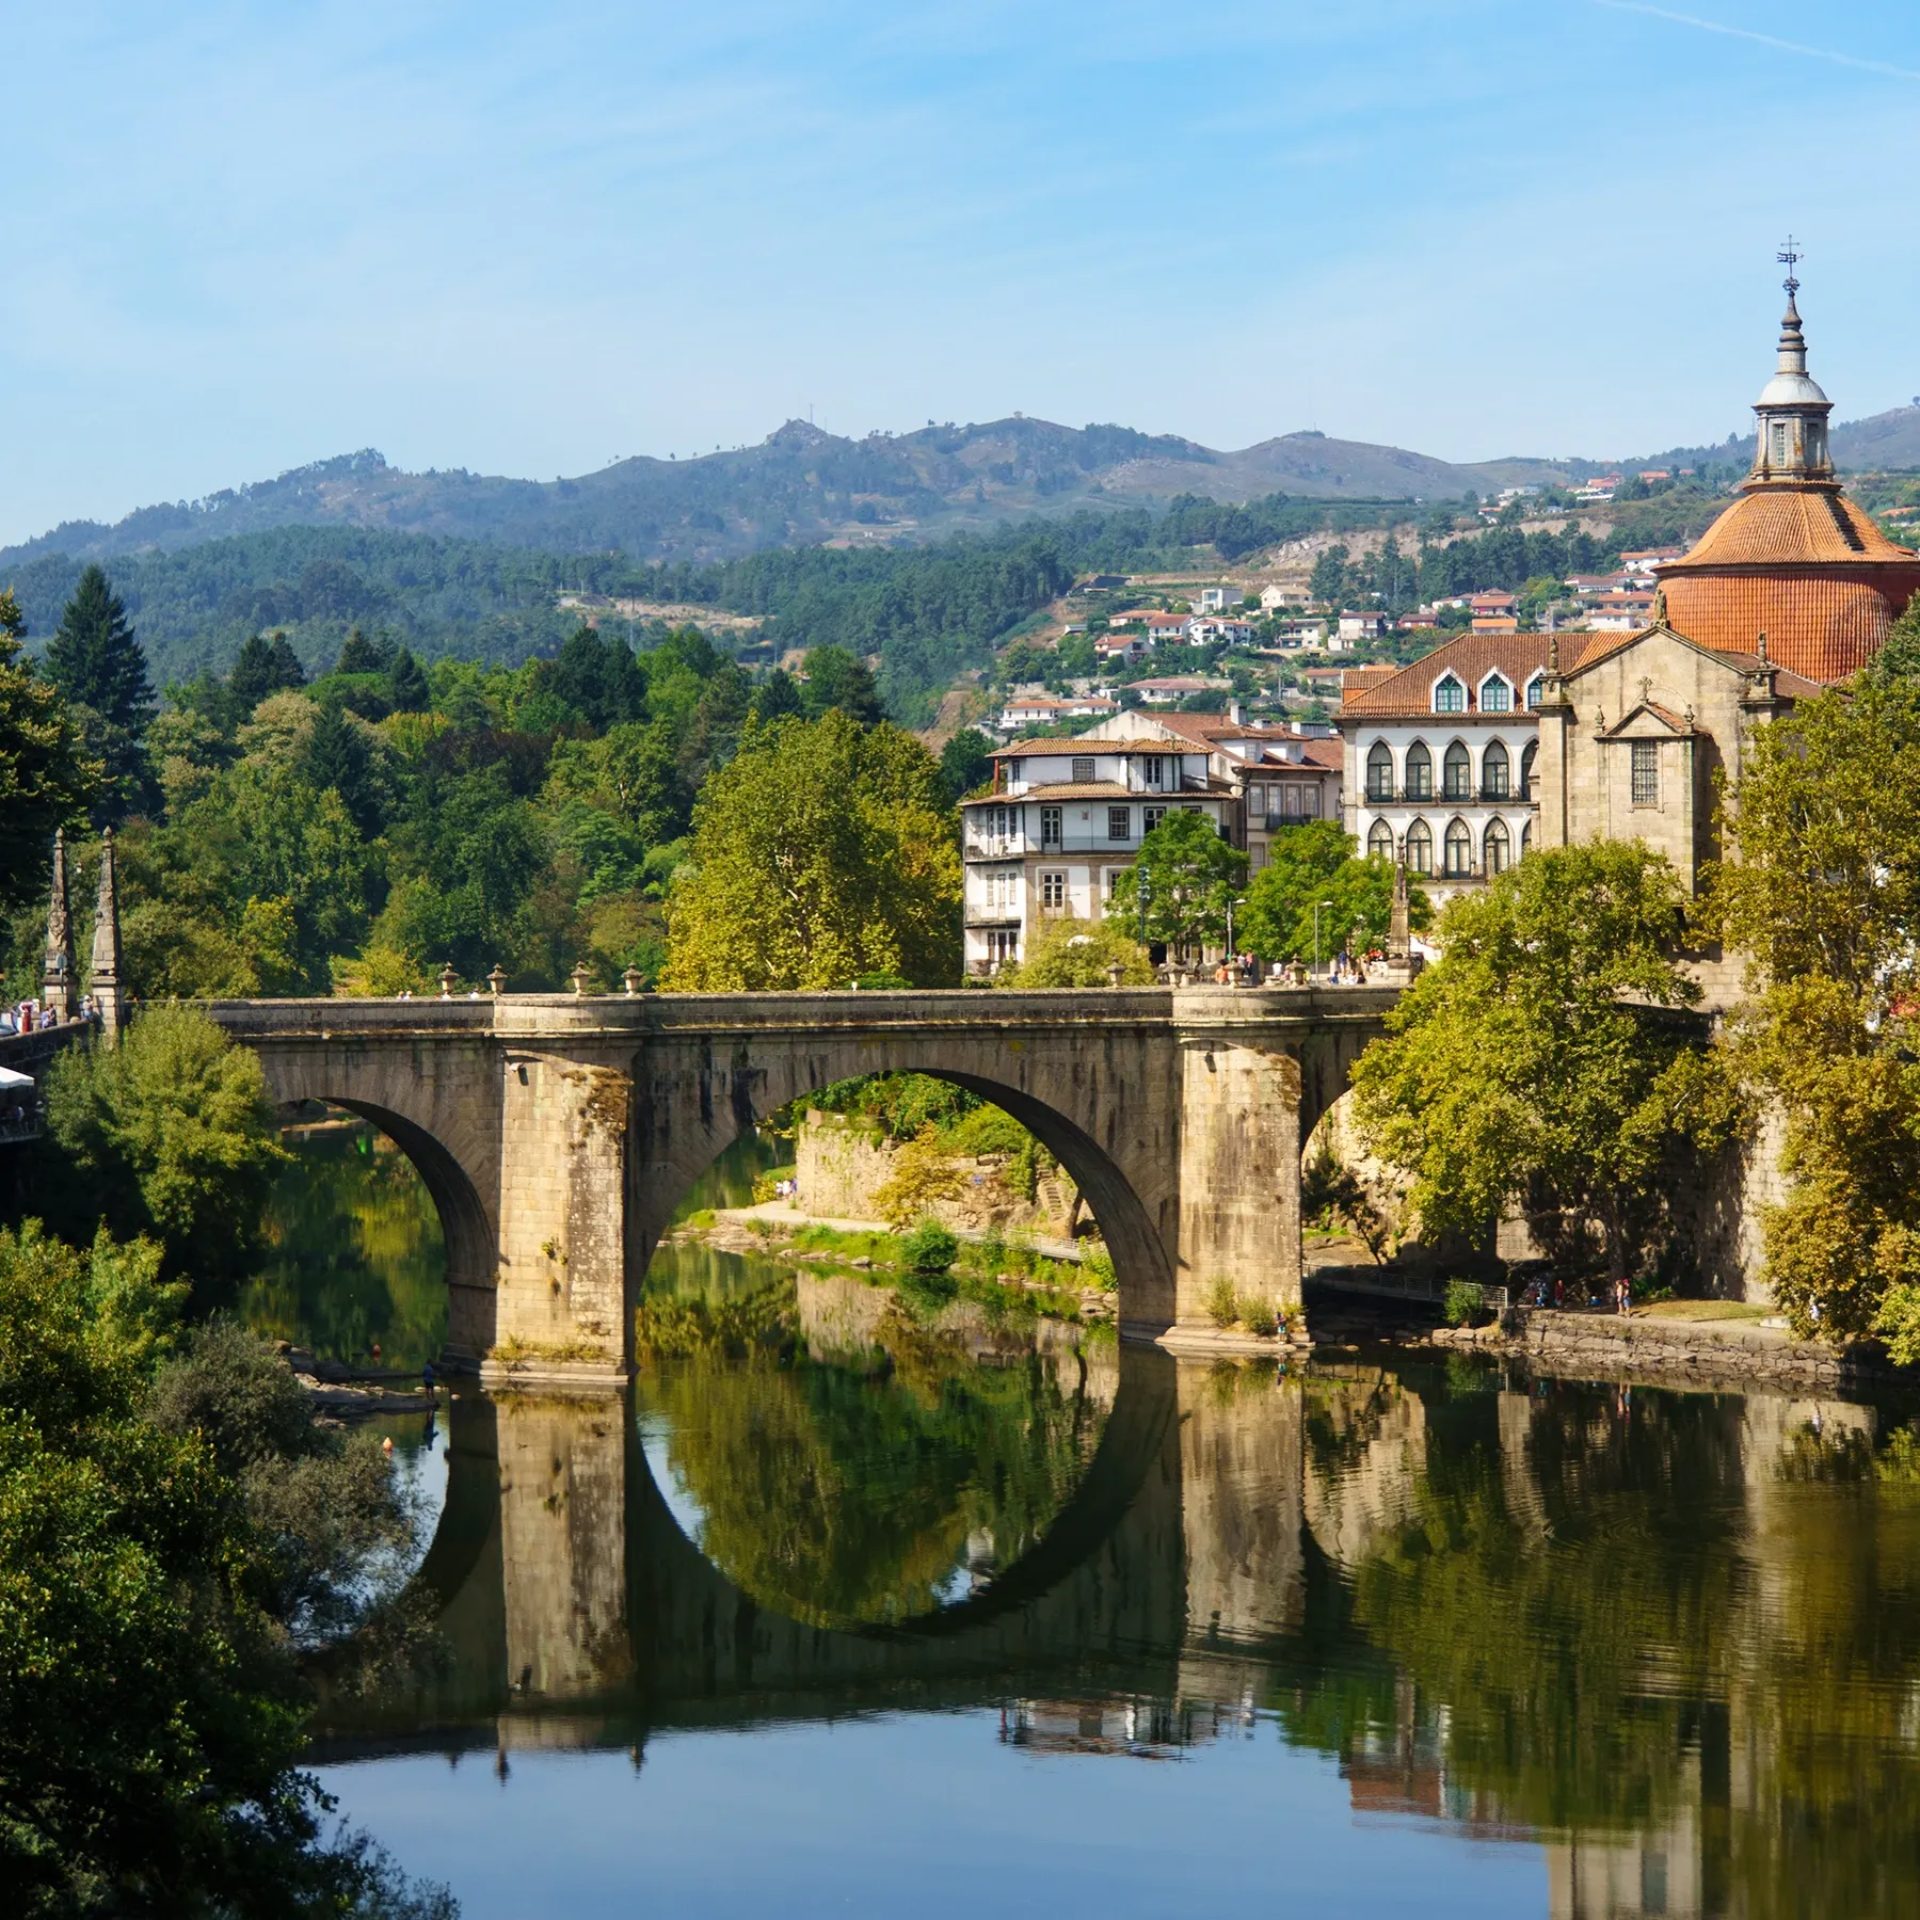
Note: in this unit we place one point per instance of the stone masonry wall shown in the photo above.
(840, 1167)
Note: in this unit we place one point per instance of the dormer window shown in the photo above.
(1449, 694)
(1496, 694)
(1536, 688)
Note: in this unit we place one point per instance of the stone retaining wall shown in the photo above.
(1676, 1352)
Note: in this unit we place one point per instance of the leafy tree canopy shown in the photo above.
(47, 779)
(823, 851)
(1314, 864)
(1541, 1060)
(1191, 874)
(1067, 952)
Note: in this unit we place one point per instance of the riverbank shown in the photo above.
(1676, 1343)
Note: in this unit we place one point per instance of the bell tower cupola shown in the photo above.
(1792, 410)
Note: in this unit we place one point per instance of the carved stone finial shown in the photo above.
(1553, 651)
(633, 980)
(103, 977)
(60, 977)
(448, 980)
(1659, 606)
(580, 977)
(497, 980)
(1761, 647)
(1400, 920)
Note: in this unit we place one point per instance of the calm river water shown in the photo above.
(860, 1607)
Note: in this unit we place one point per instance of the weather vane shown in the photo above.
(1789, 257)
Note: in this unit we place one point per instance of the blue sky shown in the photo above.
(528, 239)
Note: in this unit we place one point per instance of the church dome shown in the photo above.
(1793, 558)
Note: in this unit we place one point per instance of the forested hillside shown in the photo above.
(924, 612)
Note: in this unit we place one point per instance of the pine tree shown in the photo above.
(411, 694)
(775, 697)
(335, 755)
(361, 655)
(285, 664)
(96, 662)
(264, 667)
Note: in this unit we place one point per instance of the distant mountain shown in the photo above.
(799, 485)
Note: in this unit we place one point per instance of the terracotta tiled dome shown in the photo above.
(1793, 558)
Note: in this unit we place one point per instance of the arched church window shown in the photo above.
(1527, 754)
(1419, 772)
(1459, 850)
(1380, 840)
(1526, 838)
(1457, 772)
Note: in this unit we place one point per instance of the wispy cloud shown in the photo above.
(1760, 39)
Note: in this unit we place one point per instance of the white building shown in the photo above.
(1439, 758)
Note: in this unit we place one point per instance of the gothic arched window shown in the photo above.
(1419, 772)
(1379, 771)
(1527, 754)
(1494, 847)
(1459, 850)
(1457, 773)
(1494, 771)
(1380, 840)
(1419, 848)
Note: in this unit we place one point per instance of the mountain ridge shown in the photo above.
(802, 485)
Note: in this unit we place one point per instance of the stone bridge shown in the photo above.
(558, 1134)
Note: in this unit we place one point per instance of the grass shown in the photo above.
(514, 1349)
(1703, 1310)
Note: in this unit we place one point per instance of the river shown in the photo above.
(859, 1605)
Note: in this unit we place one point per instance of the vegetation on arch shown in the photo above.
(1546, 1063)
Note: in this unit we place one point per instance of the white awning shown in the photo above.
(11, 1082)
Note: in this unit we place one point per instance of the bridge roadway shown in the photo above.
(558, 1134)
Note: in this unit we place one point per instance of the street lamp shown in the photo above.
(1319, 907)
(1140, 883)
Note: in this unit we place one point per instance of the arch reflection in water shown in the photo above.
(847, 1455)
(1671, 1638)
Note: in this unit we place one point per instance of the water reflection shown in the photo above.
(1674, 1639)
(356, 1257)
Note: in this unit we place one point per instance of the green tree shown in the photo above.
(1191, 874)
(1314, 864)
(358, 654)
(839, 679)
(47, 779)
(336, 757)
(1823, 896)
(1542, 1059)
(1079, 953)
(966, 762)
(821, 852)
(264, 667)
(409, 690)
(776, 697)
(149, 1720)
(172, 1132)
(98, 666)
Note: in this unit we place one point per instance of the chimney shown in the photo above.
(1236, 713)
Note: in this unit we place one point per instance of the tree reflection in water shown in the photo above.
(855, 1459)
(355, 1253)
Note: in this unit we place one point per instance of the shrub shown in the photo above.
(1465, 1302)
(930, 1249)
(1260, 1319)
(1097, 1264)
(1223, 1308)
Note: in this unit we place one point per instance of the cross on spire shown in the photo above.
(1790, 256)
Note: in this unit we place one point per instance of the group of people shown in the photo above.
(31, 1016)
